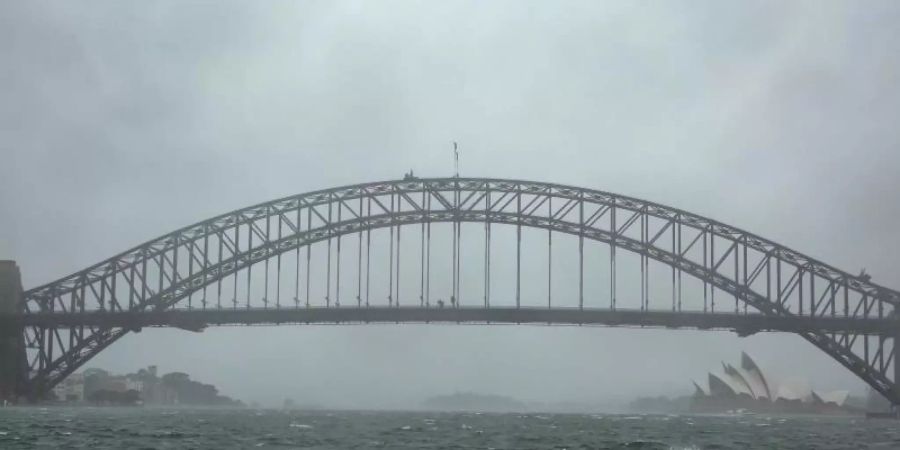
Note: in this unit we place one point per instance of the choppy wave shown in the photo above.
(105, 428)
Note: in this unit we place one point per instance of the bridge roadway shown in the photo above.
(198, 319)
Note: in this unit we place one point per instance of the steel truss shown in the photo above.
(185, 269)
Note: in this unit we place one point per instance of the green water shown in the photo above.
(135, 428)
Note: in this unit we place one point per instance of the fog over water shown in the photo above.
(121, 122)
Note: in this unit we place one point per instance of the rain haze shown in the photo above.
(120, 122)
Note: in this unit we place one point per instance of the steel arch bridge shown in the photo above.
(254, 266)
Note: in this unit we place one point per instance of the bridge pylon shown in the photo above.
(896, 350)
(12, 346)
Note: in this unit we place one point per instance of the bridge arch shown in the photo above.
(157, 275)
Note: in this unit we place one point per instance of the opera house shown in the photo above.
(747, 388)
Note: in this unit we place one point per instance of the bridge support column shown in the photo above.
(896, 344)
(12, 346)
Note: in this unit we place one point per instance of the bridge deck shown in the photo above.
(197, 319)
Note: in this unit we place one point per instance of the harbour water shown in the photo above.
(148, 428)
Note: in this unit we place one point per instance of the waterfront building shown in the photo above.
(133, 383)
(747, 387)
(71, 389)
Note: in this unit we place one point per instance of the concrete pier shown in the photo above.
(12, 348)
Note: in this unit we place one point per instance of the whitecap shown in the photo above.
(406, 428)
(302, 426)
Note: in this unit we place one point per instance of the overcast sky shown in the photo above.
(122, 121)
